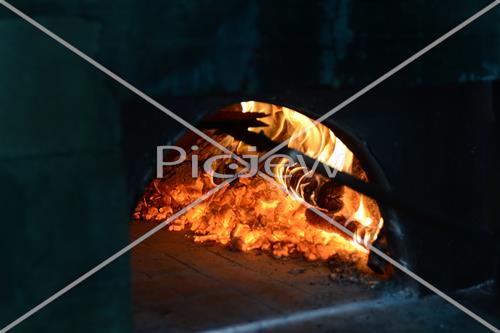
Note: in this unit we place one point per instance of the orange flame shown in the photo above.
(252, 214)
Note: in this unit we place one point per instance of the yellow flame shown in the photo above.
(251, 214)
(318, 141)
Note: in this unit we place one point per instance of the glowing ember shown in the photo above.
(253, 214)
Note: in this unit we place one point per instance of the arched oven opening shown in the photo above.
(254, 216)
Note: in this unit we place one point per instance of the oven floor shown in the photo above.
(181, 286)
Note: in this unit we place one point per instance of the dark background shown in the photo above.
(65, 145)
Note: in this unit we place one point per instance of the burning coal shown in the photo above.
(252, 214)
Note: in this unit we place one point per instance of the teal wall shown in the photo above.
(62, 186)
(202, 47)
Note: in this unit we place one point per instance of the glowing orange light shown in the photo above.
(252, 214)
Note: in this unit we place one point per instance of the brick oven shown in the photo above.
(418, 183)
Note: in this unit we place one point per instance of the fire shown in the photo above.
(253, 214)
(317, 142)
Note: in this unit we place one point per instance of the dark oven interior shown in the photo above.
(416, 129)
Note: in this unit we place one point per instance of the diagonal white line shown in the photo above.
(385, 76)
(119, 79)
(355, 97)
(114, 257)
(393, 262)
(215, 143)
(155, 104)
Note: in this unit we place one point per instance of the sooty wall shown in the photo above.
(65, 128)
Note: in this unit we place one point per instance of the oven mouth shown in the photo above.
(241, 235)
